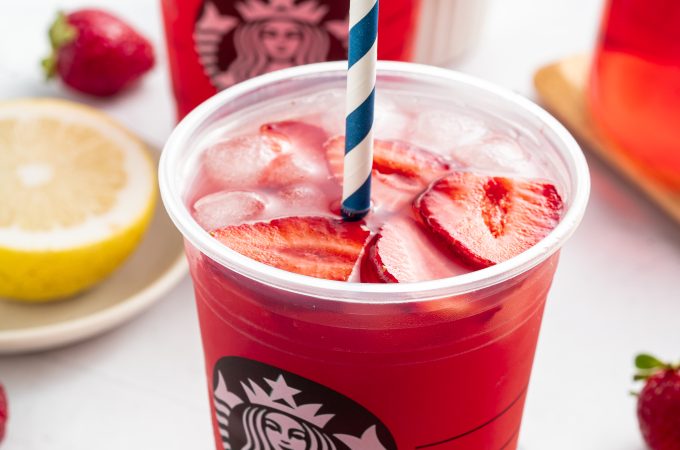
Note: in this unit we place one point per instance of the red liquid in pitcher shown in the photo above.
(452, 193)
(635, 85)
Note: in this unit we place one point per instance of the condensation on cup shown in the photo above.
(214, 44)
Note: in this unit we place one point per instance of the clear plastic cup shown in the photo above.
(299, 362)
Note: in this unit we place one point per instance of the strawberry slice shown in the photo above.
(487, 220)
(391, 189)
(402, 252)
(392, 157)
(408, 160)
(315, 246)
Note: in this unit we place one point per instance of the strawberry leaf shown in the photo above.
(645, 362)
(60, 33)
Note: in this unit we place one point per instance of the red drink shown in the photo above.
(301, 362)
(635, 85)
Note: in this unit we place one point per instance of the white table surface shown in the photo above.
(142, 385)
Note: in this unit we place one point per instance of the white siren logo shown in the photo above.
(260, 407)
(239, 39)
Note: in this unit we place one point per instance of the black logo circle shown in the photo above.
(261, 407)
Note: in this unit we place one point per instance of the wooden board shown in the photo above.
(561, 87)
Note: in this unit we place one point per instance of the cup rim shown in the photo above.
(366, 292)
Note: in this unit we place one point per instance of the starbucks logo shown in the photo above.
(239, 39)
(260, 407)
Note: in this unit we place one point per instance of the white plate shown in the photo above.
(153, 269)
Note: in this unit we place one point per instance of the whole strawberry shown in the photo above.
(3, 412)
(96, 53)
(658, 407)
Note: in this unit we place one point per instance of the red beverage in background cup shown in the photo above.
(634, 90)
(213, 44)
(299, 362)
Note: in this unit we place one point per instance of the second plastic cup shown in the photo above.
(301, 363)
(213, 44)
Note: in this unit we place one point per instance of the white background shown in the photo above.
(142, 386)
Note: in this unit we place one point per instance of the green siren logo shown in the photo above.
(260, 407)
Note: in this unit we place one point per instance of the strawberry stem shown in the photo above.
(60, 33)
(649, 365)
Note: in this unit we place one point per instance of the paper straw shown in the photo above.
(363, 45)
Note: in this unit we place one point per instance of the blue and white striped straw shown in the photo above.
(363, 55)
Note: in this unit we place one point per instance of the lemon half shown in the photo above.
(77, 192)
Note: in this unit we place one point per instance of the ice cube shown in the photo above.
(240, 162)
(442, 131)
(301, 194)
(224, 208)
(300, 200)
(302, 138)
(286, 170)
(391, 120)
(498, 155)
(333, 118)
(306, 199)
(392, 192)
